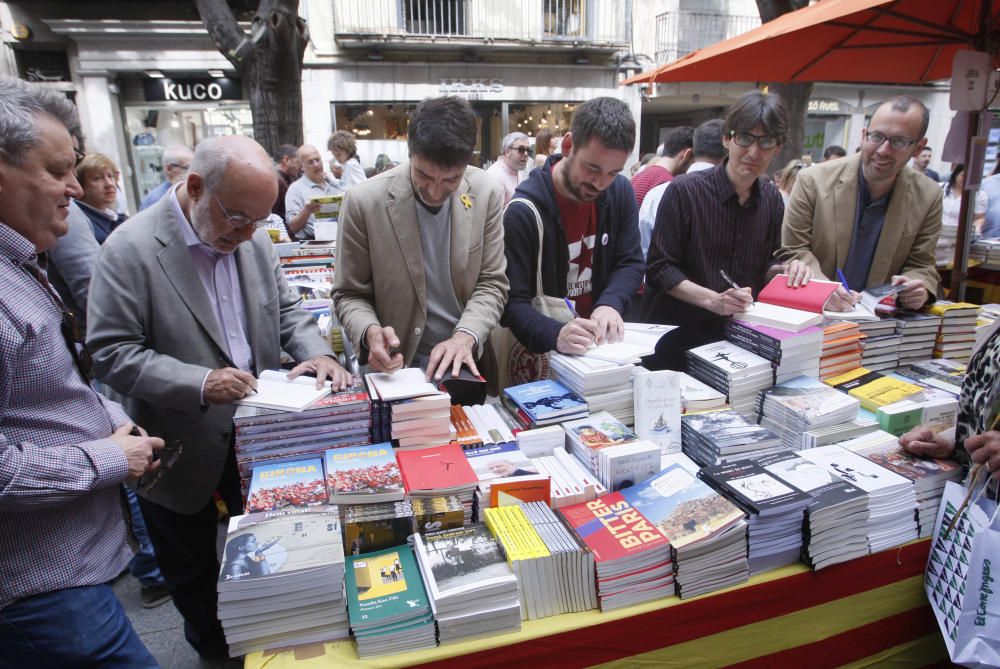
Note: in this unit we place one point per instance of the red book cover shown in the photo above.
(810, 297)
(612, 528)
(435, 468)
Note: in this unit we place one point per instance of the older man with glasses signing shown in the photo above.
(870, 216)
(188, 305)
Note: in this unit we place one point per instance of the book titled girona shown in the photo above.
(286, 484)
(363, 474)
(632, 557)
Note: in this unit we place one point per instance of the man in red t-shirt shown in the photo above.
(590, 243)
(676, 156)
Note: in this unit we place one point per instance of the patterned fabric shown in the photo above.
(61, 520)
(978, 402)
(869, 217)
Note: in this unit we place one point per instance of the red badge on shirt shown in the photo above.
(579, 221)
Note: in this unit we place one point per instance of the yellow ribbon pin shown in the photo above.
(466, 201)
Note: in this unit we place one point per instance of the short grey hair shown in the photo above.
(20, 105)
(509, 140)
(210, 162)
(177, 153)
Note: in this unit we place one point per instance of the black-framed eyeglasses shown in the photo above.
(238, 220)
(168, 457)
(521, 149)
(69, 328)
(746, 140)
(80, 155)
(898, 143)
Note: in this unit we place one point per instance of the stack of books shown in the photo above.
(603, 385)
(541, 441)
(286, 485)
(919, 333)
(431, 514)
(831, 434)
(273, 436)
(714, 437)
(282, 580)
(410, 410)
(624, 465)
(957, 334)
(841, 348)
(929, 476)
(891, 500)
(387, 604)
(790, 308)
(612, 452)
(941, 373)
(571, 483)
(631, 557)
(658, 408)
(880, 353)
(789, 409)
(707, 533)
(363, 474)
(437, 471)
(775, 510)
(732, 370)
(875, 389)
(836, 519)
(576, 588)
(542, 403)
(529, 558)
(986, 251)
(472, 588)
(480, 425)
(792, 353)
(585, 437)
(374, 527)
(696, 396)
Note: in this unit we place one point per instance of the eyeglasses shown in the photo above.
(168, 457)
(746, 140)
(898, 143)
(69, 328)
(521, 149)
(239, 220)
(179, 165)
(80, 155)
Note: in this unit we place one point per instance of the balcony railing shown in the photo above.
(680, 33)
(576, 22)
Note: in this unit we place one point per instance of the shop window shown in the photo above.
(434, 17)
(564, 18)
(42, 65)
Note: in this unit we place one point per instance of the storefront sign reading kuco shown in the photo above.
(192, 90)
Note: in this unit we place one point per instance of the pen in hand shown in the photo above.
(843, 281)
(729, 279)
(569, 305)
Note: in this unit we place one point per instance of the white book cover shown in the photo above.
(402, 384)
(696, 395)
(658, 409)
(854, 468)
(782, 318)
(730, 359)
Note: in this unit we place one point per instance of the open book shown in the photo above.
(865, 309)
(275, 391)
(787, 308)
(639, 341)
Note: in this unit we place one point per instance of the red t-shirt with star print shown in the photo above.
(579, 221)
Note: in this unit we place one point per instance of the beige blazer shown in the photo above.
(819, 223)
(154, 336)
(380, 270)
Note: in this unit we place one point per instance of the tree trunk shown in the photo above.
(268, 61)
(796, 96)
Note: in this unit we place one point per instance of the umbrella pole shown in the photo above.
(960, 267)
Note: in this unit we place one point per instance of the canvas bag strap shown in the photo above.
(538, 220)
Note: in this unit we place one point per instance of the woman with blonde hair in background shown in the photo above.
(98, 176)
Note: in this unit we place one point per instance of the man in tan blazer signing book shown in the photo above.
(869, 215)
(420, 261)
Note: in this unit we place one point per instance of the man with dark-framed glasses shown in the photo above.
(715, 234)
(65, 450)
(870, 216)
(188, 305)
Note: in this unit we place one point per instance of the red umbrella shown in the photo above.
(873, 41)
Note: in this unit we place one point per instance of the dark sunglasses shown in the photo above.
(168, 456)
(521, 149)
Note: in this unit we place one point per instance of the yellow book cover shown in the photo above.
(847, 376)
(940, 307)
(883, 391)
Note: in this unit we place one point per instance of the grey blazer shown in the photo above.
(154, 337)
